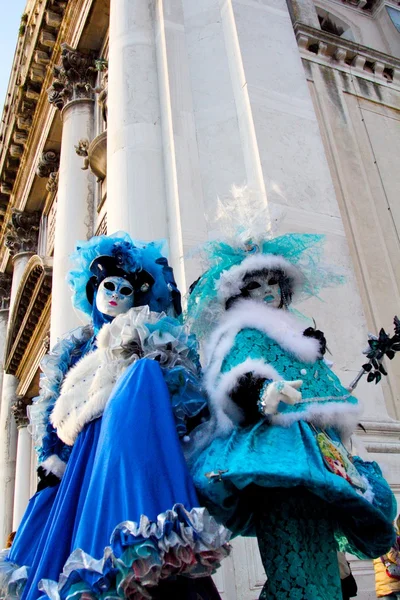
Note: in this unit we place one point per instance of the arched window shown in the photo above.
(332, 24)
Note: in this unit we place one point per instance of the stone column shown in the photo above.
(21, 240)
(5, 294)
(72, 92)
(135, 172)
(23, 463)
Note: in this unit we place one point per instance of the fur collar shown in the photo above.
(287, 331)
(276, 323)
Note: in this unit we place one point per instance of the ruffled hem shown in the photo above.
(12, 577)
(180, 542)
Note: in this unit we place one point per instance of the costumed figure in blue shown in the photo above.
(271, 460)
(116, 514)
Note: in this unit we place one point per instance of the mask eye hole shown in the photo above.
(272, 281)
(253, 285)
(109, 285)
(125, 291)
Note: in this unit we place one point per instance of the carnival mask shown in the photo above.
(263, 287)
(114, 296)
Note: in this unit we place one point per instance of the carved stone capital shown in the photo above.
(75, 78)
(18, 409)
(48, 163)
(22, 232)
(5, 290)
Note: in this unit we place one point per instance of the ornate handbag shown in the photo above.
(339, 461)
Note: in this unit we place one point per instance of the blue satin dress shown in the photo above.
(126, 514)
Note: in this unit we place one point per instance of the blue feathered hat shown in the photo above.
(142, 264)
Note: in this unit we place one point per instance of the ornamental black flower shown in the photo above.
(379, 347)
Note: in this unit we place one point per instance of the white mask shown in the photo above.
(264, 287)
(114, 296)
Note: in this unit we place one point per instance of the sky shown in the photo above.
(11, 12)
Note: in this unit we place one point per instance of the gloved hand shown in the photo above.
(279, 391)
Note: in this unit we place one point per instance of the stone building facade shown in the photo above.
(134, 115)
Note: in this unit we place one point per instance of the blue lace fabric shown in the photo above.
(295, 534)
(285, 454)
(320, 384)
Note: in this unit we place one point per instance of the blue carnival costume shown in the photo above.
(125, 517)
(281, 473)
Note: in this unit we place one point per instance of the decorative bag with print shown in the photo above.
(338, 460)
(392, 569)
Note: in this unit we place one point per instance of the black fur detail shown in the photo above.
(45, 481)
(318, 335)
(246, 396)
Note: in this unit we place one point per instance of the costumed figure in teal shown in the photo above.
(271, 461)
(116, 514)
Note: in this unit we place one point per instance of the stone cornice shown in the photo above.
(32, 297)
(70, 30)
(380, 437)
(35, 47)
(326, 48)
(365, 6)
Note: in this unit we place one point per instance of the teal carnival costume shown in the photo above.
(271, 462)
(116, 514)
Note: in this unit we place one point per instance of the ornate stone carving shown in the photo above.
(75, 78)
(49, 163)
(94, 154)
(5, 290)
(82, 150)
(18, 409)
(102, 89)
(22, 232)
(52, 183)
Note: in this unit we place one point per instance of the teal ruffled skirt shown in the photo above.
(272, 456)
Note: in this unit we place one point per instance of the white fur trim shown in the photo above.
(54, 464)
(88, 385)
(85, 392)
(223, 408)
(287, 331)
(343, 416)
(276, 323)
(231, 280)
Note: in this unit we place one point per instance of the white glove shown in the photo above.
(279, 391)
